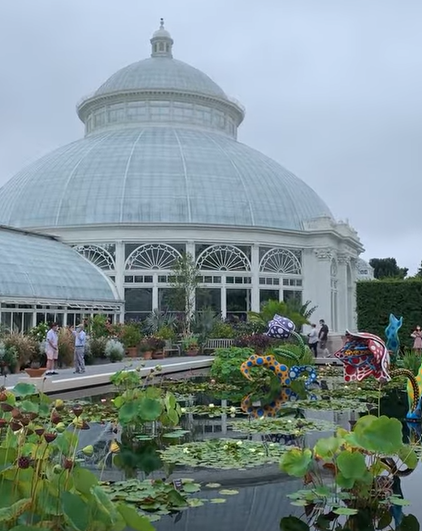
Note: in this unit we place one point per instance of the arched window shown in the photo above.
(97, 255)
(281, 261)
(152, 256)
(223, 258)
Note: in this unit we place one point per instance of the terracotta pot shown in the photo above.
(147, 355)
(35, 373)
(132, 352)
(192, 352)
(158, 355)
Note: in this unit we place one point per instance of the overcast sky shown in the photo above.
(332, 89)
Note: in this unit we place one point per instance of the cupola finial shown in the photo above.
(161, 42)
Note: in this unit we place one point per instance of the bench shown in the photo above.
(212, 344)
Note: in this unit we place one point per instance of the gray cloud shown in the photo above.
(332, 89)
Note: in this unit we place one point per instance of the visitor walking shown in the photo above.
(52, 349)
(323, 338)
(417, 336)
(313, 340)
(79, 355)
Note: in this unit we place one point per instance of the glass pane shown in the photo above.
(17, 322)
(288, 295)
(138, 299)
(268, 294)
(208, 298)
(6, 319)
(27, 321)
(238, 301)
(170, 300)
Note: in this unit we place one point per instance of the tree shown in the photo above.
(419, 272)
(387, 268)
(184, 281)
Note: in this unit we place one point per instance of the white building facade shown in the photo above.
(159, 173)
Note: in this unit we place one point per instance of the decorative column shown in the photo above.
(343, 317)
(120, 274)
(255, 306)
(223, 297)
(322, 284)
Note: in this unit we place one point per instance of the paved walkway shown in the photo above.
(100, 374)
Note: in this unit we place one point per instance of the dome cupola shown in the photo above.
(161, 42)
(160, 90)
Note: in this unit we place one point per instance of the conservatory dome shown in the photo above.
(38, 268)
(160, 147)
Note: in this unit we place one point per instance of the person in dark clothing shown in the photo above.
(323, 338)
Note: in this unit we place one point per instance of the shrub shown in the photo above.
(8, 358)
(27, 348)
(130, 335)
(376, 300)
(97, 347)
(66, 347)
(226, 365)
(222, 330)
(114, 350)
(258, 342)
(152, 343)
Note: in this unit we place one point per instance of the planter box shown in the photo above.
(36, 373)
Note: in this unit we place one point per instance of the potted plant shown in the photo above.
(167, 334)
(27, 348)
(8, 359)
(114, 350)
(157, 344)
(131, 337)
(146, 348)
(190, 345)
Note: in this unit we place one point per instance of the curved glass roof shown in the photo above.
(36, 267)
(158, 175)
(161, 73)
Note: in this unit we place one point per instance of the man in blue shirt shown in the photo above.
(80, 343)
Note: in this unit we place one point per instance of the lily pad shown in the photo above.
(223, 454)
(213, 485)
(218, 500)
(228, 492)
(282, 426)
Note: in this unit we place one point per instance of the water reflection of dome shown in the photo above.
(160, 172)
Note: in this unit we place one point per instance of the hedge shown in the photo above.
(375, 301)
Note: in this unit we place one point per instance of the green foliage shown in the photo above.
(8, 357)
(98, 326)
(221, 330)
(96, 346)
(130, 335)
(43, 484)
(184, 281)
(411, 361)
(27, 347)
(223, 454)
(297, 313)
(226, 365)
(285, 426)
(387, 268)
(356, 459)
(376, 300)
(158, 320)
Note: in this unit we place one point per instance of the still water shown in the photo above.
(261, 499)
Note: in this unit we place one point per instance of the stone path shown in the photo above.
(100, 374)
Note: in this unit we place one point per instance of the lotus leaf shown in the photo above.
(351, 464)
(326, 448)
(296, 462)
(381, 435)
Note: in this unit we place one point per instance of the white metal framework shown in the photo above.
(223, 258)
(98, 255)
(152, 256)
(282, 261)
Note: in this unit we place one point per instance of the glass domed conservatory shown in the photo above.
(42, 279)
(160, 172)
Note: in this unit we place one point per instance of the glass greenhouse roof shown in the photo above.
(35, 267)
(158, 175)
(162, 73)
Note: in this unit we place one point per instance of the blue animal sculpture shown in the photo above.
(392, 334)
